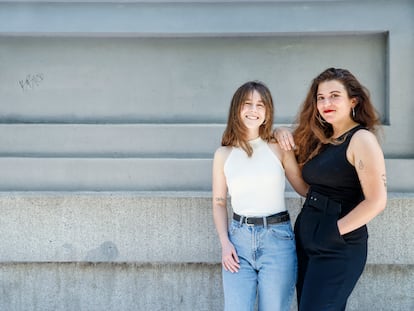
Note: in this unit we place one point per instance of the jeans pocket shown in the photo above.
(282, 231)
(234, 226)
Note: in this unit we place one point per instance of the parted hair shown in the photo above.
(235, 133)
(312, 132)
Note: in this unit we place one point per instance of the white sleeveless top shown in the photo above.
(257, 184)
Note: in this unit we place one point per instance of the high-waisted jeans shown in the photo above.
(329, 265)
(268, 268)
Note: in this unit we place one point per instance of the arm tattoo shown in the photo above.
(220, 199)
(384, 179)
(361, 165)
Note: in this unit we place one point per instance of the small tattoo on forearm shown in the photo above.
(361, 165)
(220, 199)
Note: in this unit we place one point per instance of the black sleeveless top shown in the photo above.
(331, 174)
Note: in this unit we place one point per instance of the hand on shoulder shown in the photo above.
(284, 137)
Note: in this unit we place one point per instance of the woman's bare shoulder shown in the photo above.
(277, 150)
(222, 152)
(363, 137)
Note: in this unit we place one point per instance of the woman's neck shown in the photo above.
(252, 134)
(340, 130)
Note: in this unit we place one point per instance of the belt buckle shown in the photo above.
(246, 223)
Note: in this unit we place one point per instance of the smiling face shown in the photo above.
(253, 113)
(250, 115)
(333, 103)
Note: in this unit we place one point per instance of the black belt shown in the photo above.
(270, 220)
(322, 203)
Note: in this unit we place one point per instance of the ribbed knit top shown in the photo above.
(256, 184)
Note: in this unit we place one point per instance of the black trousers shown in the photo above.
(329, 265)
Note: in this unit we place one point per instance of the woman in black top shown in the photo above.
(344, 165)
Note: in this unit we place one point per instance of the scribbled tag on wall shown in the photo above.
(31, 81)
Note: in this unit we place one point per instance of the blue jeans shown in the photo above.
(268, 268)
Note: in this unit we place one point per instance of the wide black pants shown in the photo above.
(329, 264)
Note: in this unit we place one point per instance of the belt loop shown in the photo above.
(265, 222)
(241, 220)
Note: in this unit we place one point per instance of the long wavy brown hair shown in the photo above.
(235, 133)
(312, 131)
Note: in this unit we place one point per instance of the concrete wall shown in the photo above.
(158, 251)
(110, 112)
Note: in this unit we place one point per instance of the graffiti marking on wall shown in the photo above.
(31, 81)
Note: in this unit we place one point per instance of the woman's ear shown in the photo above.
(354, 102)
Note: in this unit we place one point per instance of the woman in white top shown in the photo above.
(258, 248)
